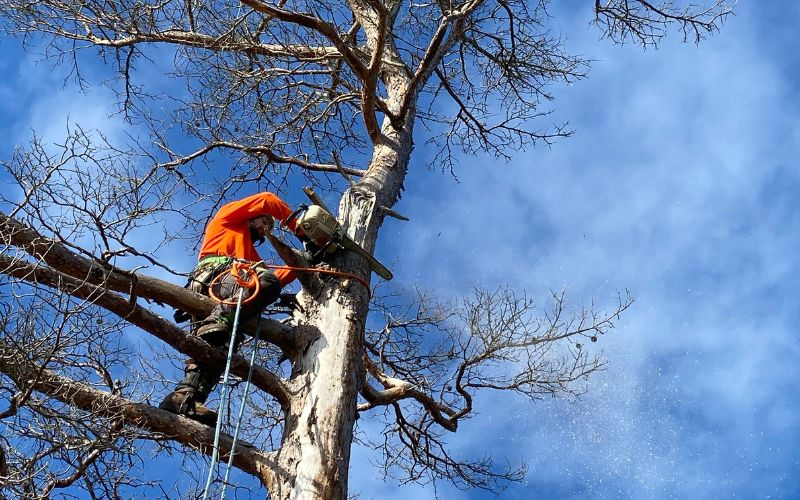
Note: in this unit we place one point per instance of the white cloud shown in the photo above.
(48, 99)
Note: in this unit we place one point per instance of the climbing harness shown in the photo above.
(245, 276)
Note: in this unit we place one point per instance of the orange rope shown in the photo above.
(247, 277)
(324, 271)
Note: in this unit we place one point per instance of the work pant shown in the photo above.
(200, 379)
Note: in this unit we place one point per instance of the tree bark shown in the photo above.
(326, 379)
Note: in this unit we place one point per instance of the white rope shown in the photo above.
(241, 409)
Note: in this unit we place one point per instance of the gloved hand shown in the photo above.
(312, 253)
(180, 316)
(289, 301)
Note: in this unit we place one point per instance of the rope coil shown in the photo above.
(246, 277)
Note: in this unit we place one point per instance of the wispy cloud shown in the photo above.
(681, 184)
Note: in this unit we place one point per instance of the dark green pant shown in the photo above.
(200, 379)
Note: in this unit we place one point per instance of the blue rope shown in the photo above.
(222, 395)
(241, 409)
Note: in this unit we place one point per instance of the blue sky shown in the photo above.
(681, 184)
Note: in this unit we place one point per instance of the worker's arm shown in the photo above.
(254, 206)
(285, 276)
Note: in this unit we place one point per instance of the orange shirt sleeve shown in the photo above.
(253, 206)
(284, 275)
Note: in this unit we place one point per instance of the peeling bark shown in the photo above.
(326, 383)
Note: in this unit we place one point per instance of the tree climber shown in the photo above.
(231, 235)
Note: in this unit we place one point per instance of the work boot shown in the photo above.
(181, 402)
(215, 334)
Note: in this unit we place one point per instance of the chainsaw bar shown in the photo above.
(376, 266)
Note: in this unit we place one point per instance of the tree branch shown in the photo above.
(324, 28)
(167, 425)
(397, 389)
(370, 87)
(437, 48)
(69, 263)
(268, 152)
(647, 22)
(147, 321)
(216, 44)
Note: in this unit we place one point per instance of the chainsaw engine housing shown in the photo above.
(320, 227)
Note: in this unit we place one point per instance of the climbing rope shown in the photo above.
(324, 271)
(222, 396)
(240, 417)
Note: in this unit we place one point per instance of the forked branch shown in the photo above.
(647, 22)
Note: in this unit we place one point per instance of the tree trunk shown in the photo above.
(315, 454)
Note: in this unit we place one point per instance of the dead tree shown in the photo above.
(327, 93)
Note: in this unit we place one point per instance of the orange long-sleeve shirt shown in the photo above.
(228, 233)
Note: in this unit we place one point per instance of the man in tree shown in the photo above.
(334, 93)
(230, 237)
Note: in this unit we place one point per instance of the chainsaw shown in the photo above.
(323, 230)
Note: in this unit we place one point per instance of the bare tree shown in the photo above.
(327, 93)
